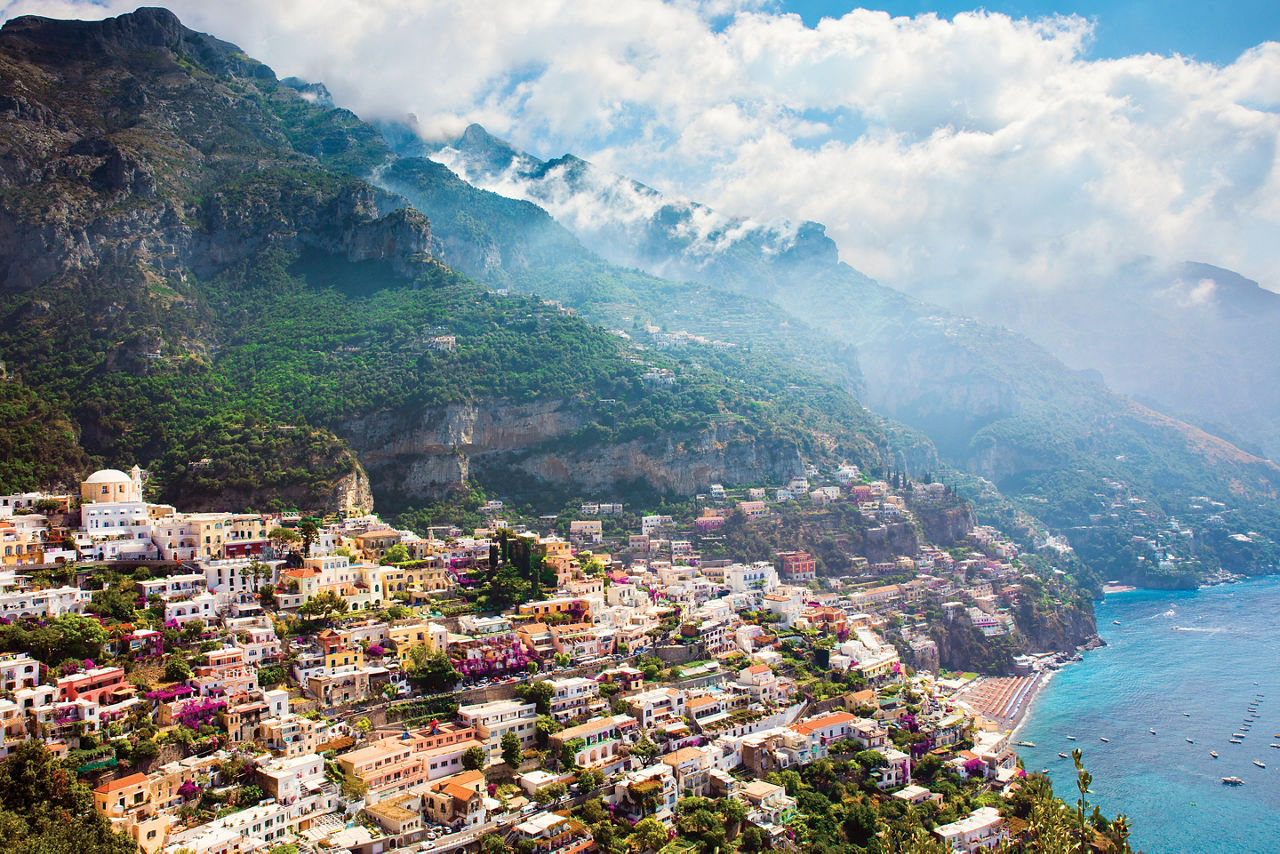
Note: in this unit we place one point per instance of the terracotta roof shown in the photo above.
(681, 756)
(458, 793)
(758, 668)
(808, 727)
(122, 783)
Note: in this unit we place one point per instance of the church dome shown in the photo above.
(108, 476)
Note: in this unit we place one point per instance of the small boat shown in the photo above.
(1062, 756)
(1236, 741)
(1213, 753)
(1153, 732)
(1100, 738)
(1259, 764)
(1073, 738)
(1025, 743)
(1186, 714)
(1191, 741)
(1237, 735)
(1273, 744)
(1115, 622)
(1232, 781)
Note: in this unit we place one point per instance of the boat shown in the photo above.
(1186, 714)
(1259, 764)
(1115, 622)
(1237, 735)
(1025, 743)
(1273, 744)
(1191, 741)
(1073, 738)
(1213, 753)
(1236, 741)
(1232, 781)
(1153, 732)
(1100, 738)
(1062, 756)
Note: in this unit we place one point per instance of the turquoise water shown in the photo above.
(1199, 652)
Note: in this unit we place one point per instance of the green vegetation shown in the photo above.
(44, 808)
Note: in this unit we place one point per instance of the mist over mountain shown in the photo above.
(992, 401)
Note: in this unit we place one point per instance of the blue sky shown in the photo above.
(1211, 31)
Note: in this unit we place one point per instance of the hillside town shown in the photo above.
(256, 682)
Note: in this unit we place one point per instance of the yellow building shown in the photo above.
(211, 532)
(111, 485)
(406, 636)
(21, 544)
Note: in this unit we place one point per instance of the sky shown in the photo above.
(1024, 145)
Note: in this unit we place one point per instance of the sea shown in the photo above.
(1186, 664)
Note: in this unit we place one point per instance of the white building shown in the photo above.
(982, 829)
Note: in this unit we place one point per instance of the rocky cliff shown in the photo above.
(421, 453)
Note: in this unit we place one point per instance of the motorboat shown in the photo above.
(1232, 781)
(1259, 764)
(1191, 741)
(1062, 756)
(1100, 738)
(1213, 753)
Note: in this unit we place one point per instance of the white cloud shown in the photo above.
(939, 153)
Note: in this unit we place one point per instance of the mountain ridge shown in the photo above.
(200, 273)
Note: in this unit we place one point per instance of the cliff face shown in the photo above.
(422, 453)
(944, 526)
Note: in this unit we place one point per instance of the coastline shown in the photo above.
(1022, 712)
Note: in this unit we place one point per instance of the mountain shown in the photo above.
(1190, 339)
(1059, 442)
(195, 274)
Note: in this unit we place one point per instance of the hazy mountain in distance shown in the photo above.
(1194, 340)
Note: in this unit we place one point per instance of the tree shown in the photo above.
(396, 554)
(323, 605)
(590, 779)
(474, 758)
(353, 788)
(649, 835)
(281, 537)
(309, 532)
(512, 753)
(550, 793)
(492, 843)
(44, 808)
(432, 671)
(176, 669)
(538, 693)
(113, 604)
(569, 753)
(754, 839)
(256, 570)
